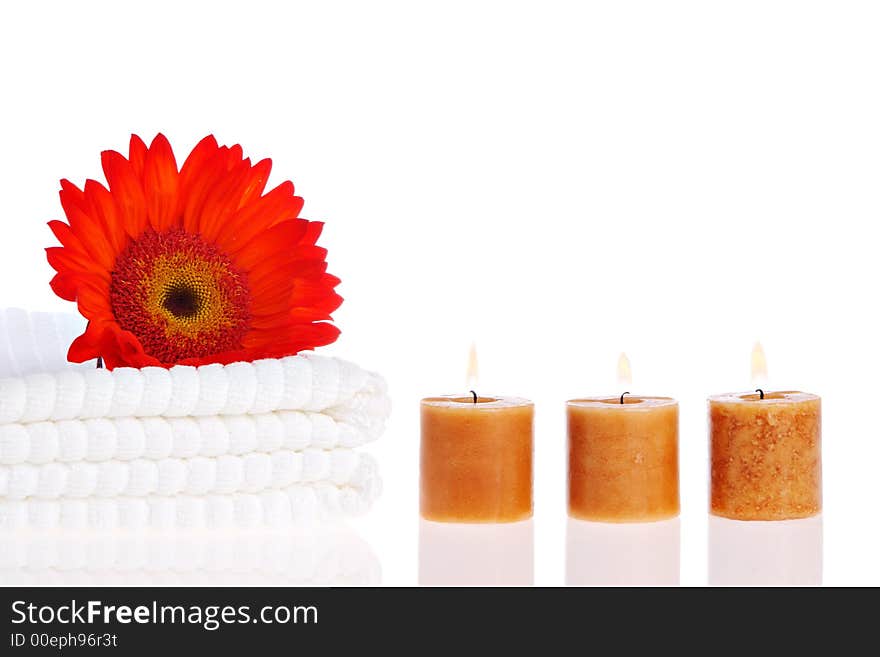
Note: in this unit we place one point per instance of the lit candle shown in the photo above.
(766, 452)
(623, 456)
(476, 457)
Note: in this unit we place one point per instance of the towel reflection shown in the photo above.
(322, 556)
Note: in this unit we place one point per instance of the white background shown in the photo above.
(558, 182)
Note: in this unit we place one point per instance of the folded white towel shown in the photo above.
(245, 444)
(305, 382)
(301, 504)
(125, 439)
(201, 475)
(32, 342)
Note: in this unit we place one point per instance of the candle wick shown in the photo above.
(621, 397)
(475, 396)
(100, 363)
(760, 391)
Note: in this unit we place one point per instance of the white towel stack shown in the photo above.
(245, 444)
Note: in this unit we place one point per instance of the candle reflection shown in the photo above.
(771, 553)
(322, 556)
(630, 554)
(457, 554)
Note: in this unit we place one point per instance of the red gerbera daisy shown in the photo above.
(193, 266)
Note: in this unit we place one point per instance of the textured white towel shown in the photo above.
(245, 444)
(296, 383)
(301, 504)
(201, 475)
(32, 342)
(125, 439)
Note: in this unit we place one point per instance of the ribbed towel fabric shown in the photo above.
(218, 445)
(296, 383)
(125, 439)
(298, 504)
(32, 342)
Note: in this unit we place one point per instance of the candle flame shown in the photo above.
(473, 369)
(624, 370)
(759, 365)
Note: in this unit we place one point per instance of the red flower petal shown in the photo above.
(160, 183)
(103, 210)
(127, 192)
(252, 219)
(192, 266)
(137, 155)
(64, 287)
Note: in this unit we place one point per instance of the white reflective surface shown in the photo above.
(321, 556)
(781, 553)
(476, 554)
(610, 554)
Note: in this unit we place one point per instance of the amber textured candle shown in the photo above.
(623, 458)
(476, 459)
(766, 455)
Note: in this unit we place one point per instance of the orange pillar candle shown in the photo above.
(476, 459)
(766, 455)
(623, 458)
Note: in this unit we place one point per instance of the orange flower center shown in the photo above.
(180, 296)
